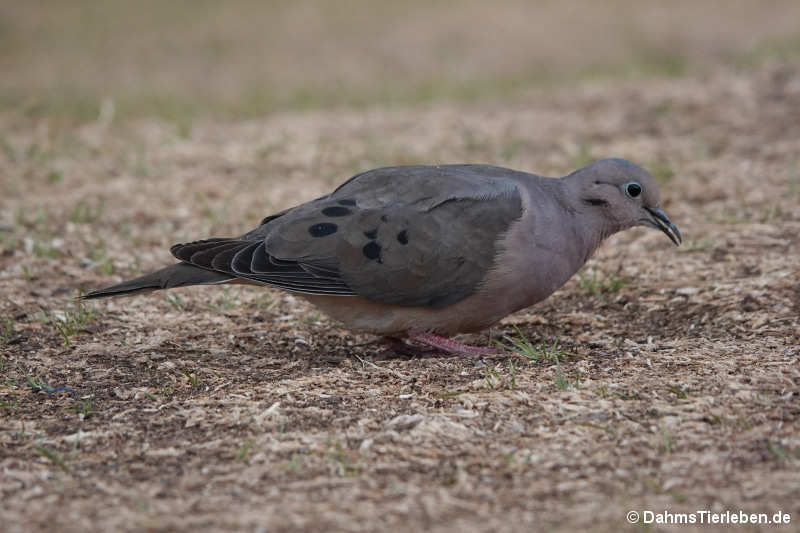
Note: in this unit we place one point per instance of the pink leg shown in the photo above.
(451, 346)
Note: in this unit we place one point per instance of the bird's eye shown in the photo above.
(633, 189)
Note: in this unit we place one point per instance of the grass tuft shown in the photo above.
(87, 213)
(6, 329)
(175, 301)
(193, 378)
(595, 284)
(561, 381)
(344, 466)
(521, 345)
(53, 456)
(69, 322)
(86, 409)
(244, 451)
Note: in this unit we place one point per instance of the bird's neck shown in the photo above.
(590, 226)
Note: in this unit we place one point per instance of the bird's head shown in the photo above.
(623, 194)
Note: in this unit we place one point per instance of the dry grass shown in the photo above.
(242, 58)
(677, 380)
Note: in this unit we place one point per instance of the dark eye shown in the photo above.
(633, 189)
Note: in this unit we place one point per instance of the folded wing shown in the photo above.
(411, 236)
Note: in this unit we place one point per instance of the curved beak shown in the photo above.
(659, 220)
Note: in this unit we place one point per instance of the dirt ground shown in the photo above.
(670, 380)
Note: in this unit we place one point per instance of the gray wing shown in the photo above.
(412, 236)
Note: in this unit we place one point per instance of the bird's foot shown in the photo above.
(451, 346)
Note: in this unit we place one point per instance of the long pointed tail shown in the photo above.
(178, 275)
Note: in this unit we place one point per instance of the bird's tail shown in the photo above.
(178, 275)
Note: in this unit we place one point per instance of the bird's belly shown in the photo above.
(505, 290)
(469, 315)
(498, 297)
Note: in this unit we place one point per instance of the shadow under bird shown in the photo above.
(426, 252)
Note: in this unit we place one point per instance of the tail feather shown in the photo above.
(178, 275)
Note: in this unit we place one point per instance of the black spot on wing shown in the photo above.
(322, 229)
(336, 211)
(402, 237)
(372, 251)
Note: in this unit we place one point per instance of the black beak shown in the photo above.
(661, 221)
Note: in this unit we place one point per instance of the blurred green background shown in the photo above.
(238, 59)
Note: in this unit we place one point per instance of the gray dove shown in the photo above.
(426, 252)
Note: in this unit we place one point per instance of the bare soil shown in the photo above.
(243, 409)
